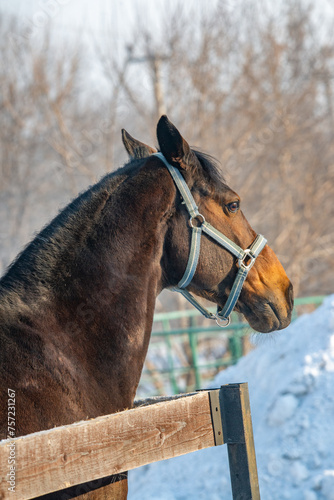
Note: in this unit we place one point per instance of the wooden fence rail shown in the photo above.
(53, 460)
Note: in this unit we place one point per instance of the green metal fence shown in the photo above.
(186, 350)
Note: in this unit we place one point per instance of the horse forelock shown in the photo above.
(210, 180)
(211, 167)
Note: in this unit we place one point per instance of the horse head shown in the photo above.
(266, 297)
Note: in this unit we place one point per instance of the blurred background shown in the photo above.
(250, 82)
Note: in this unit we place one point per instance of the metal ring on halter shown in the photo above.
(223, 322)
(198, 216)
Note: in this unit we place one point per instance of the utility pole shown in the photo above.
(155, 61)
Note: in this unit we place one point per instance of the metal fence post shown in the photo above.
(193, 347)
(172, 378)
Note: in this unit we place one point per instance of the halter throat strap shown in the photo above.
(246, 258)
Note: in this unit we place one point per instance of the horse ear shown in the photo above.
(136, 149)
(173, 146)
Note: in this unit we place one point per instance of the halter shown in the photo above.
(246, 258)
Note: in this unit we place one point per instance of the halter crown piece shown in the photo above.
(246, 258)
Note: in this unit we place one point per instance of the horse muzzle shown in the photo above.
(267, 313)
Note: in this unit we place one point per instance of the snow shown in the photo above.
(291, 380)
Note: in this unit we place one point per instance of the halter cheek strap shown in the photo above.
(246, 258)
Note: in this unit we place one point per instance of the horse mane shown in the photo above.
(35, 263)
(211, 169)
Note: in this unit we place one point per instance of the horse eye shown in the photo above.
(233, 207)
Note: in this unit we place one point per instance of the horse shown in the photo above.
(77, 304)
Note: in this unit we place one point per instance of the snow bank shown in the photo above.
(291, 385)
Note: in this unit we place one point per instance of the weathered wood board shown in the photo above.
(58, 458)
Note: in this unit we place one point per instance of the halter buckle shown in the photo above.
(247, 256)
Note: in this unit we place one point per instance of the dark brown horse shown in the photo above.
(77, 305)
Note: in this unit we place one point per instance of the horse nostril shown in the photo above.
(290, 295)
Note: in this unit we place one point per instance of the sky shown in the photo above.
(98, 19)
(96, 23)
(72, 16)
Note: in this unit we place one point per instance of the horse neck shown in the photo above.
(85, 288)
(107, 303)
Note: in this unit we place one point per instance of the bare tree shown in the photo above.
(255, 88)
(54, 138)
